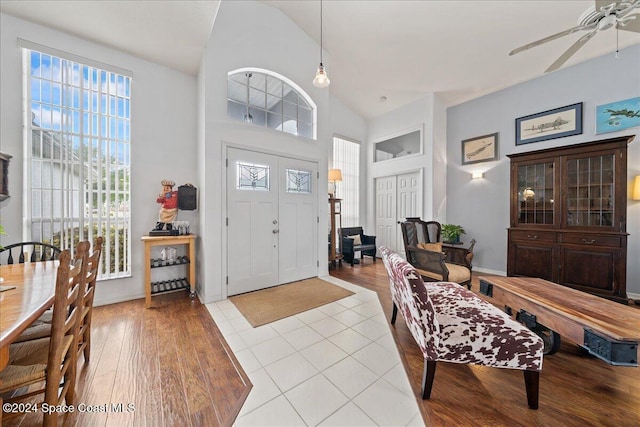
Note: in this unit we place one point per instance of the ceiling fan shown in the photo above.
(602, 16)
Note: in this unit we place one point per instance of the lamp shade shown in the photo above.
(321, 79)
(636, 188)
(335, 175)
(528, 194)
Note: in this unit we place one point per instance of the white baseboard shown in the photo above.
(633, 296)
(489, 271)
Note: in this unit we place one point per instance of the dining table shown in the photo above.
(28, 291)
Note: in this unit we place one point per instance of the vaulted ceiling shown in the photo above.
(399, 49)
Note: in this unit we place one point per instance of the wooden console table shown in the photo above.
(188, 282)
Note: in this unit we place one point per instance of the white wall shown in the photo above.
(163, 137)
(251, 34)
(428, 113)
(347, 124)
(482, 206)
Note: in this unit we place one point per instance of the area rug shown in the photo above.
(268, 305)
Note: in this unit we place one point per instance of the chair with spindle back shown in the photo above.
(19, 252)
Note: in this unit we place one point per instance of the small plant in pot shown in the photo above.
(451, 233)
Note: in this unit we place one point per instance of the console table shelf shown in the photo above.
(165, 286)
(172, 285)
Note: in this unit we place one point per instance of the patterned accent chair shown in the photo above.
(425, 252)
(452, 324)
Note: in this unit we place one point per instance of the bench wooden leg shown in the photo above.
(394, 314)
(427, 378)
(532, 382)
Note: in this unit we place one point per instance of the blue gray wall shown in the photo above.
(482, 205)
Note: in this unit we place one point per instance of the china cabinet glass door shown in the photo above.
(590, 190)
(536, 193)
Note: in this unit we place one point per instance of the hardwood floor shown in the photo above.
(170, 362)
(575, 389)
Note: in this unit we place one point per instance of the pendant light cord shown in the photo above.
(321, 31)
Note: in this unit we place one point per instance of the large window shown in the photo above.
(266, 100)
(78, 180)
(346, 157)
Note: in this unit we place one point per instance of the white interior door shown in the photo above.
(386, 227)
(397, 197)
(409, 202)
(272, 223)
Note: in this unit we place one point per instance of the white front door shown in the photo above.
(397, 197)
(272, 220)
(298, 207)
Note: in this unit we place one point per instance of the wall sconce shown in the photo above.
(477, 175)
(636, 188)
(335, 175)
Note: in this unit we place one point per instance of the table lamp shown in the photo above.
(335, 175)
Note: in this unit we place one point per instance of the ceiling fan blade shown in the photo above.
(569, 52)
(604, 3)
(631, 25)
(553, 37)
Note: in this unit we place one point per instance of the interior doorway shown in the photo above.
(397, 197)
(272, 220)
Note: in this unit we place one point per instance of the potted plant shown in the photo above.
(451, 233)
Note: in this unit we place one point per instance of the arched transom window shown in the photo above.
(265, 99)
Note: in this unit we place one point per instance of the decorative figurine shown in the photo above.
(169, 209)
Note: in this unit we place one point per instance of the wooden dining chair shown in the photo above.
(51, 360)
(42, 327)
(19, 252)
(93, 264)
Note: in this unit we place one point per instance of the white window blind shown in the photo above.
(346, 157)
(79, 130)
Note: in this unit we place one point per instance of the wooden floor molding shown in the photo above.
(575, 389)
(170, 362)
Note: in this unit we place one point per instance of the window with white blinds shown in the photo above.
(78, 179)
(346, 157)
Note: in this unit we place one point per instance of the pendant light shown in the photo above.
(321, 79)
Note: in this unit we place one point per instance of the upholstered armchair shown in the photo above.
(431, 260)
(354, 240)
(452, 324)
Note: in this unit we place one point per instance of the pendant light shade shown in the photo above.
(321, 79)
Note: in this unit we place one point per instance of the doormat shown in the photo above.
(268, 305)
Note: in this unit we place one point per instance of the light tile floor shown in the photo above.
(336, 365)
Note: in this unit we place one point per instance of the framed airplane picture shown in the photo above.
(480, 149)
(551, 124)
(618, 115)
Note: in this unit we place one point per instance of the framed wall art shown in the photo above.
(480, 149)
(551, 124)
(618, 115)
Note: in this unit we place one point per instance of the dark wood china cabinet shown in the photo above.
(568, 216)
